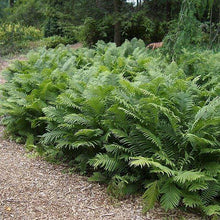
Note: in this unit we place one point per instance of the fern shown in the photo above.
(192, 200)
(212, 210)
(158, 168)
(171, 196)
(151, 195)
(103, 160)
(130, 115)
(150, 136)
(188, 176)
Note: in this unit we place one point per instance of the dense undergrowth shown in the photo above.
(135, 120)
(16, 37)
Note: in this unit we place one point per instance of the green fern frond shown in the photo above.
(85, 144)
(161, 155)
(171, 195)
(89, 133)
(195, 186)
(210, 151)
(132, 114)
(188, 176)
(209, 194)
(212, 210)
(78, 119)
(174, 120)
(151, 195)
(192, 200)
(110, 164)
(68, 101)
(116, 149)
(150, 136)
(97, 177)
(212, 168)
(195, 140)
(52, 136)
(149, 162)
(63, 144)
(203, 124)
(52, 114)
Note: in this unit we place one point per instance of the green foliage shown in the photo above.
(151, 195)
(52, 42)
(14, 37)
(194, 27)
(139, 26)
(126, 114)
(90, 32)
(3, 6)
(27, 13)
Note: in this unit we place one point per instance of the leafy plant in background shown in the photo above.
(189, 31)
(126, 117)
(27, 13)
(3, 5)
(15, 37)
(139, 26)
(52, 42)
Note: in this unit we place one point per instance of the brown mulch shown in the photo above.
(31, 188)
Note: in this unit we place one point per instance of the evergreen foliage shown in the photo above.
(127, 114)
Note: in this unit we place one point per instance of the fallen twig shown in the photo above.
(108, 214)
(85, 188)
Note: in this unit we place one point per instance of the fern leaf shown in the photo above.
(97, 177)
(52, 136)
(158, 168)
(171, 196)
(77, 144)
(103, 160)
(116, 149)
(151, 195)
(192, 200)
(212, 210)
(188, 176)
(89, 132)
(77, 119)
(195, 140)
(150, 136)
(195, 186)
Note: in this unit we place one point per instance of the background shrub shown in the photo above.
(52, 42)
(15, 37)
(27, 13)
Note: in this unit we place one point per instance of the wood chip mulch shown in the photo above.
(31, 188)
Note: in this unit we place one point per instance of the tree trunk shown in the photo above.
(168, 9)
(117, 26)
(11, 3)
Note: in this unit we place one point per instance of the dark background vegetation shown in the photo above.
(88, 21)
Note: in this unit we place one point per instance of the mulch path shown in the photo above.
(31, 188)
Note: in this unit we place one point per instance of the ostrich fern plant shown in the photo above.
(134, 120)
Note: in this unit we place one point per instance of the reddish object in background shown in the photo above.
(155, 45)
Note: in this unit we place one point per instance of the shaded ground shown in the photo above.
(31, 188)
